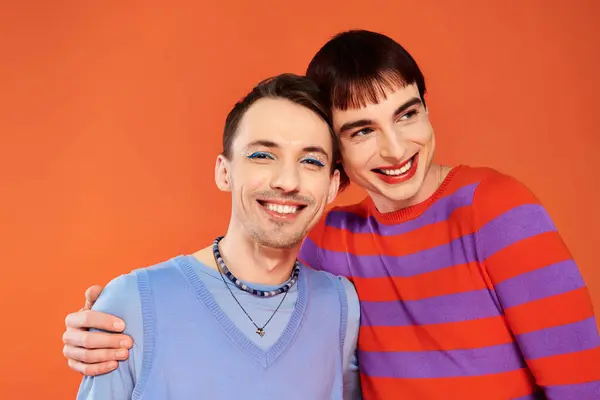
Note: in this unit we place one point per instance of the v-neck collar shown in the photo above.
(267, 357)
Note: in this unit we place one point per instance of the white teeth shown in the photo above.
(281, 209)
(398, 171)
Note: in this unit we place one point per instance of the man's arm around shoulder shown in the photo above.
(121, 299)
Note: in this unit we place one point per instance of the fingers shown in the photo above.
(91, 295)
(92, 369)
(94, 319)
(94, 353)
(94, 356)
(96, 340)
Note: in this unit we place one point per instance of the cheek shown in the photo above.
(256, 175)
(423, 136)
(356, 156)
(248, 180)
(317, 185)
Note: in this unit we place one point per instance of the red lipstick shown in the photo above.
(396, 179)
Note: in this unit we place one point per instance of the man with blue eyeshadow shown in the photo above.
(243, 317)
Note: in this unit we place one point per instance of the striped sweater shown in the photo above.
(471, 294)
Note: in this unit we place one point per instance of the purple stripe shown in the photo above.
(581, 391)
(513, 226)
(441, 364)
(459, 251)
(570, 338)
(544, 282)
(309, 254)
(435, 310)
(439, 211)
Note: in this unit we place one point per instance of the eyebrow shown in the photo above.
(263, 143)
(316, 149)
(272, 145)
(362, 122)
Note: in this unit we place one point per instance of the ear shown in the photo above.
(334, 185)
(222, 177)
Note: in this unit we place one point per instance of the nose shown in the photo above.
(286, 179)
(391, 146)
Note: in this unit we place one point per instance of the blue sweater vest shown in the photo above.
(193, 351)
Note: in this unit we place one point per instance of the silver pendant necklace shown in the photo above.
(260, 330)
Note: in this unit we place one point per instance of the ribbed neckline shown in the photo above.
(215, 274)
(264, 358)
(408, 213)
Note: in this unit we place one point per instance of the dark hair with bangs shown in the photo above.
(355, 68)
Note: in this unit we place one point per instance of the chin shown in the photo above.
(278, 240)
(280, 244)
(404, 192)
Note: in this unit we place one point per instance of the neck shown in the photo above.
(433, 178)
(255, 263)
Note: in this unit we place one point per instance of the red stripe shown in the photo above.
(341, 240)
(566, 369)
(528, 255)
(457, 279)
(551, 311)
(449, 336)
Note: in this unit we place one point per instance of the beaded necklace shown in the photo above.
(224, 271)
(246, 288)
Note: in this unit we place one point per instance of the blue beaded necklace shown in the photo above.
(246, 288)
(224, 271)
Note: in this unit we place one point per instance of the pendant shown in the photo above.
(260, 332)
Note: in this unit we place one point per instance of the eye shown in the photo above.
(260, 155)
(408, 115)
(313, 161)
(362, 132)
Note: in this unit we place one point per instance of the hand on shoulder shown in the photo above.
(93, 339)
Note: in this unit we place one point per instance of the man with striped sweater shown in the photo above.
(467, 290)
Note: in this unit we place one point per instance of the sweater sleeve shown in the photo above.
(120, 298)
(539, 286)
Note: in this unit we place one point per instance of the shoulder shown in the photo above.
(493, 183)
(339, 217)
(345, 216)
(121, 296)
(332, 227)
(118, 295)
(502, 203)
(342, 285)
(497, 193)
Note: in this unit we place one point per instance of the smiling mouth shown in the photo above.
(282, 209)
(398, 171)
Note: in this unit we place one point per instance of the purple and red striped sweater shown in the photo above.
(471, 294)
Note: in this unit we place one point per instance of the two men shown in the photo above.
(243, 316)
(466, 288)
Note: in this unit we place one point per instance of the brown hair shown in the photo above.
(297, 89)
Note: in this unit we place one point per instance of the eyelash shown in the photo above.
(261, 155)
(410, 114)
(366, 131)
(312, 161)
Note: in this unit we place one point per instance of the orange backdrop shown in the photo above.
(111, 116)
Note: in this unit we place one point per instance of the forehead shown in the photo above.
(290, 125)
(383, 109)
